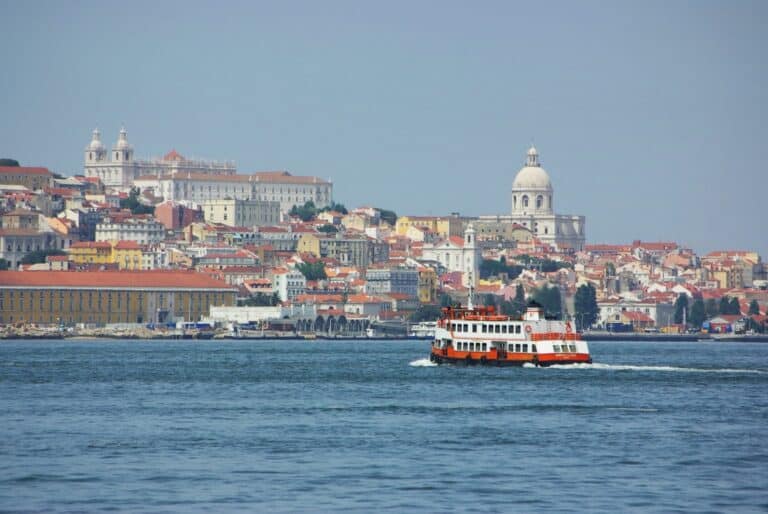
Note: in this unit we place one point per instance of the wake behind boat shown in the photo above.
(481, 336)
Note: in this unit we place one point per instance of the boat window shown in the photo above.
(517, 347)
(485, 347)
(525, 347)
(556, 347)
(517, 329)
(471, 347)
(466, 328)
(474, 327)
(498, 329)
(573, 348)
(533, 348)
(503, 329)
(511, 347)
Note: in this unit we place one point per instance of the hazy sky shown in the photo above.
(649, 116)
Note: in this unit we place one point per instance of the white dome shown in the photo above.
(96, 145)
(532, 177)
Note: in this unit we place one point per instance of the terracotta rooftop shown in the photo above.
(112, 279)
(24, 170)
(173, 155)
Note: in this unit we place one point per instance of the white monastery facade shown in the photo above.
(117, 169)
(193, 182)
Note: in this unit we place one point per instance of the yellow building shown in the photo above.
(89, 252)
(428, 285)
(102, 297)
(443, 226)
(309, 243)
(126, 254)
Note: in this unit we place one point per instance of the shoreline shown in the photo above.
(589, 337)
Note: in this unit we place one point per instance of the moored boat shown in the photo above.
(482, 336)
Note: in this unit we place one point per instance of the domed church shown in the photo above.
(533, 212)
(533, 207)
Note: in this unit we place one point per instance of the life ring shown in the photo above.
(528, 328)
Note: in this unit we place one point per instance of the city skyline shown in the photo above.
(648, 118)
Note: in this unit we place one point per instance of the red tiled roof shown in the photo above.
(127, 245)
(285, 177)
(91, 244)
(637, 316)
(24, 170)
(112, 279)
(173, 155)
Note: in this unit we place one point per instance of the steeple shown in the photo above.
(533, 158)
(95, 151)
(122, 150)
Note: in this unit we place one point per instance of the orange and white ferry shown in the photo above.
(482, 336)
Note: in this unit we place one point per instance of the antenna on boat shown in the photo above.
(470, 305)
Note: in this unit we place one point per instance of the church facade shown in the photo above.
(194, 182)
(533, 209)
(117, 169)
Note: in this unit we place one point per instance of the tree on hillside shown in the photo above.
(9, 162)
(388, 216)
(711, 308)
(313, 270)
(133, 203)
(306, 212)
(426, 313)
(262, 300)
(725, 305)
(446, 300)
(585, 306)
(489, 300)
(549, 299)
(38, 256)
(328, 229)
(754, 308)
(735, 306)
(681, 305)
(494, 268)
(698, 314)
(336, 207)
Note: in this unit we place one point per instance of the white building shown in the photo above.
(457, 254)
(533, 208)
(142, 231)
(241, 213)
(117, 168)
(611, 310)
(288, 283)
(195, 189)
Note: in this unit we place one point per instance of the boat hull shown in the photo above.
(543, 360)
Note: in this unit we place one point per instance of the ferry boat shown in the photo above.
(482, 336)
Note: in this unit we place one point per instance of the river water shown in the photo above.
(361, 426)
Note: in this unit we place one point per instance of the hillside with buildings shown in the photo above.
(166, 241)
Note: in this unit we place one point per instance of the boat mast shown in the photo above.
(470, 304)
